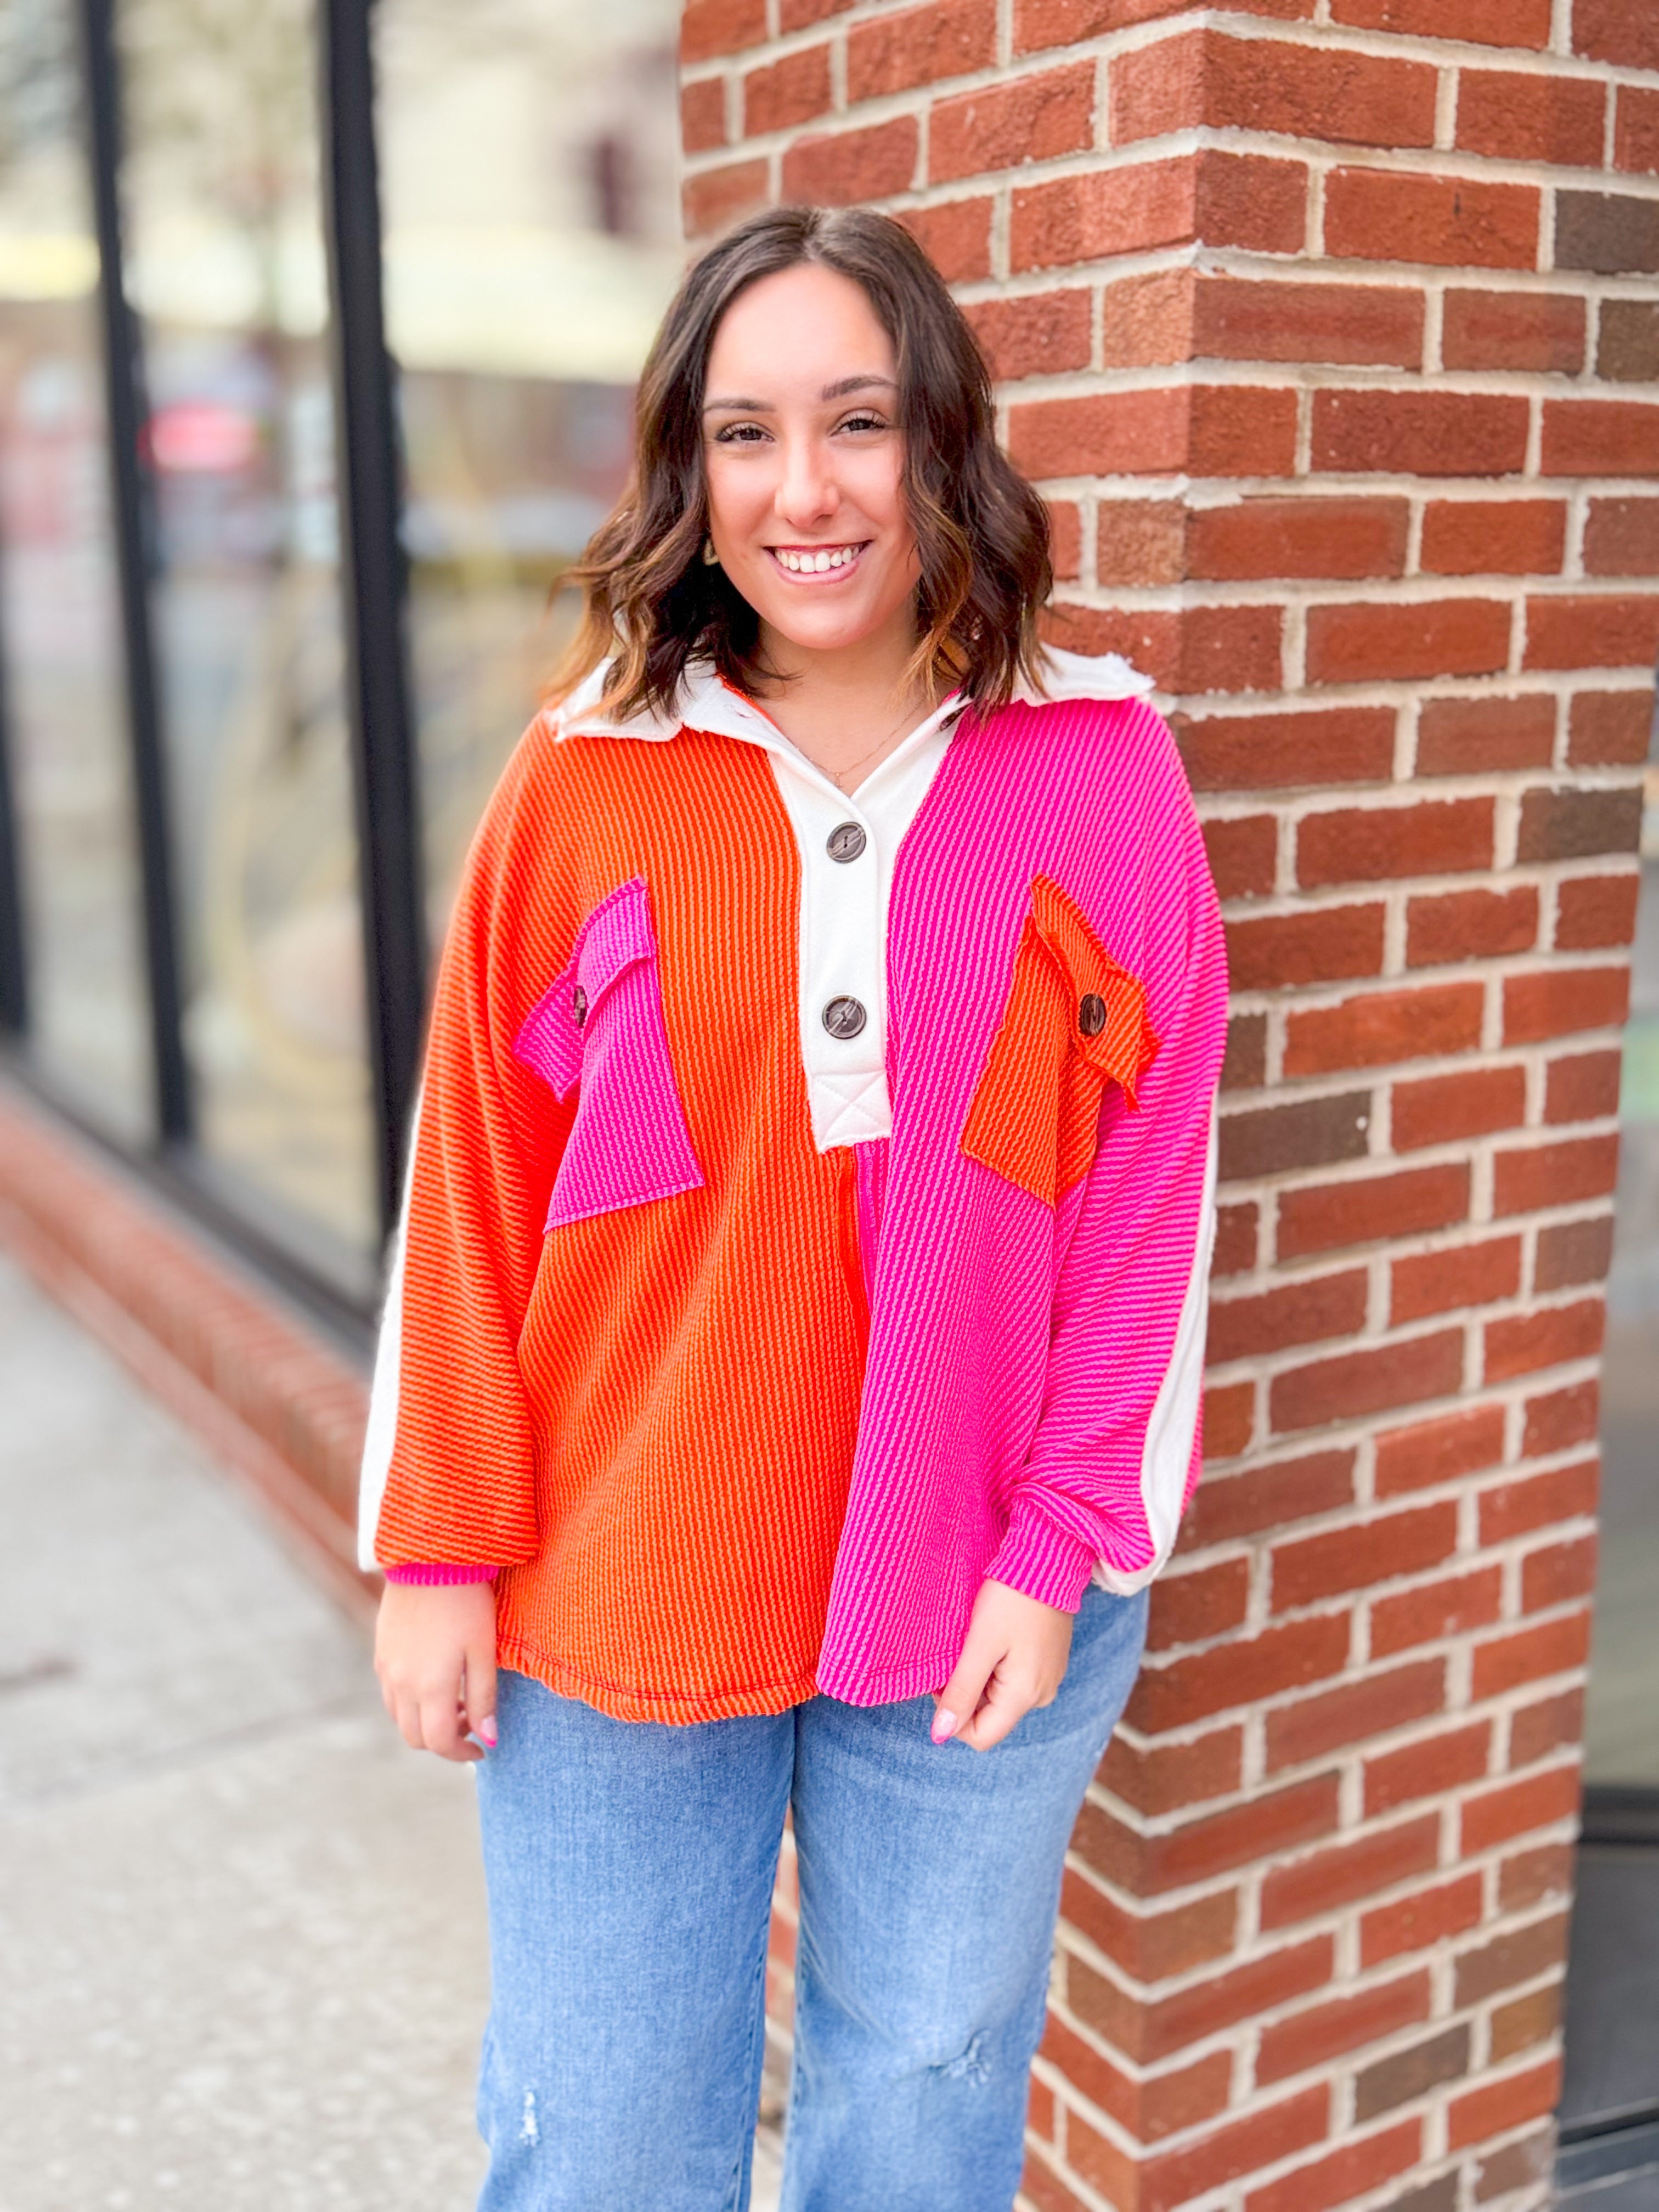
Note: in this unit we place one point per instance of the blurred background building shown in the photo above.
(185, 949)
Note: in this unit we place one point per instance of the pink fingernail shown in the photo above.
(486, 1731)
(945, 1724)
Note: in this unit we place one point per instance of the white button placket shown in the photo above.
(843, 927)
(843, 949)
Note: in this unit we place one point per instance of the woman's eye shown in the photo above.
(864, 423)
(739, 433)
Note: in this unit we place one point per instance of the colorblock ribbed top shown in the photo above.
(745, 1358)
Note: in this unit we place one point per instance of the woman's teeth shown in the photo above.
(807, 564)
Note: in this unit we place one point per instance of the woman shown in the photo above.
(790, 1375)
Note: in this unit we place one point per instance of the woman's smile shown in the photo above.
(817, 564)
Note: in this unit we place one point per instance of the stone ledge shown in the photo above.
(279, 1406)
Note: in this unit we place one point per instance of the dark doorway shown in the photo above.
(1609, 2116)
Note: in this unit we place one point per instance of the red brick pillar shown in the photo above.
(1317, 321)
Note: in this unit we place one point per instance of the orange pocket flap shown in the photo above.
(1108, 1007)
(1075, 1019)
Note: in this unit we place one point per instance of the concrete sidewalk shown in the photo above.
(241, 1927)
(242, 1954)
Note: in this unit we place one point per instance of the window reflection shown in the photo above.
(65, 694)
(528, 152)
(226, 269)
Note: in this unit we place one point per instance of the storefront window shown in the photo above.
(1611, 2082)
(529, 194)
(1610, 2090)
(65, 700)
(226, 269)
(1622, 1721)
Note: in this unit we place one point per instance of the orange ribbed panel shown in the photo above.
(667, 1496)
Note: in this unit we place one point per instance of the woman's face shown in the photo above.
(805, 462)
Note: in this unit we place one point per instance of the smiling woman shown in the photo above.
(790, 1375)
(864, 446)
(825, 460)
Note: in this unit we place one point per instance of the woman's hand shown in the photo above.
(1014, 1658)
(435, 1652)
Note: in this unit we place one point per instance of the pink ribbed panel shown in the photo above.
(1016, 1352)
(869, 1188)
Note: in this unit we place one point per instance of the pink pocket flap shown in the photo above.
(614, 936)
(601, 1025)
(617, 933)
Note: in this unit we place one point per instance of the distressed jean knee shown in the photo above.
(972, 2065)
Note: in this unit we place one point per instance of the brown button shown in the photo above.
(581, 1005)
(845, 841)
(1091, 1014)
(844, 1017)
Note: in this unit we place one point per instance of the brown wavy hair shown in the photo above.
(652, 604)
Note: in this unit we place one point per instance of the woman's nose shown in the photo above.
(807, 493)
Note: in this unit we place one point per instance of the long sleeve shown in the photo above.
(450, 1458)
(1117, 1446)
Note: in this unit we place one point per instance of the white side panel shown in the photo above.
(1168, 1453)
(382, 1433)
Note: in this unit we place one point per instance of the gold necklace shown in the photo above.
(838, 775)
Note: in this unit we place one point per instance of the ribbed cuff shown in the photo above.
(1041, 1559)
(436, 1577)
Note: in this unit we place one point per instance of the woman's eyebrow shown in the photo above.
(855, 384)
(836, 390)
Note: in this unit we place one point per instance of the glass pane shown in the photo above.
(226, 270)
(1622, 1722)
(59, 620)
(529, 153)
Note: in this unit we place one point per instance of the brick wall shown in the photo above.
(1323, 325)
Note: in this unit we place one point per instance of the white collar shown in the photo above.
(707, 701)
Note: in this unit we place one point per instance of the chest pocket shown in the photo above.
(1075, 1020)
(601, 1025)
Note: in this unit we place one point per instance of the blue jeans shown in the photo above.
(630, 1869)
